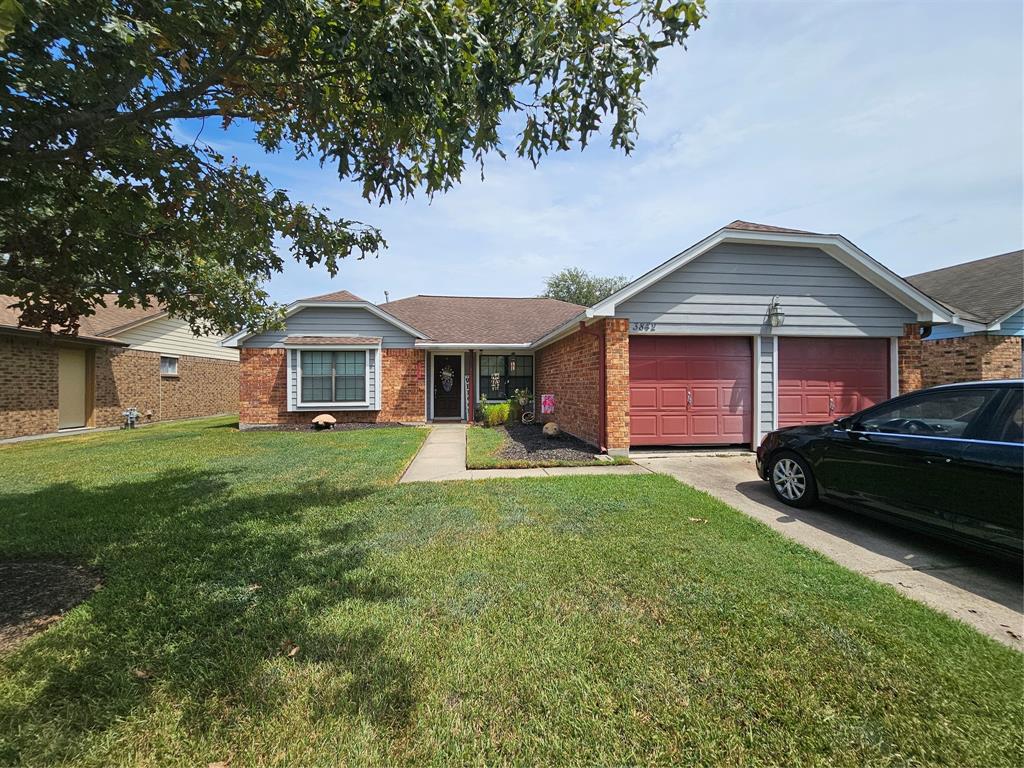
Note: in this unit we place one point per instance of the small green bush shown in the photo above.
(495, 413)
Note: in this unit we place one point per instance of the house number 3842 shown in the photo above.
(642, 327)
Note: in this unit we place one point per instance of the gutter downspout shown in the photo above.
(603, 408)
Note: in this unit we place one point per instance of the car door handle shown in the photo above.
(937, 460)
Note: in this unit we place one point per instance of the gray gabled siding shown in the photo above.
(332, 321)
(293, 385)
(727, 291)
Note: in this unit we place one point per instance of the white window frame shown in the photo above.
(335, 405)
(172, 374)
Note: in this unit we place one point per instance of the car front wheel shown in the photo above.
(792, 481)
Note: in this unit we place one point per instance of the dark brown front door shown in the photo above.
(447, 386)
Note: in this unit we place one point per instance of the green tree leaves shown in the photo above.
(101, 190)
(580, 287)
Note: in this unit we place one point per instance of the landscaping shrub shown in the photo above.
(495, 413)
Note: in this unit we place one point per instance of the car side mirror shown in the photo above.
(843, 423)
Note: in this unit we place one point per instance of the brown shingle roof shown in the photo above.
(335, 296)
(482, 319)
(983, 290)
(101, 324)
(750, 226)
(337, 340)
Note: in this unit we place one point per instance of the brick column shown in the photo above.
(263, 386)
(616, 350)
(910, 357)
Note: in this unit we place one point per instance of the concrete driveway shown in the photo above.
(978, 590)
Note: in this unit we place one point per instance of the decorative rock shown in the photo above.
(551, 430)
(324, 421)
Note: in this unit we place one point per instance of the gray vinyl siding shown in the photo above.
(293, 386)
(332, 321)
(727, 291)
(767, 378)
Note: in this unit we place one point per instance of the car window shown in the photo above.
(1009, 427)
(945, 413)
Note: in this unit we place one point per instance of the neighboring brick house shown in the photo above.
(751, 328)
(986, 338)
(121, 358)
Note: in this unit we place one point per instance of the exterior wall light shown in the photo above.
(512, 363)
(776, 316)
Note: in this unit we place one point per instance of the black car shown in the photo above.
(948, 461)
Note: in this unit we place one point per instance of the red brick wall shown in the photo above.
(569, 370)
(263, 399)
(28, 386)
(617, 384)
(925, 363)
(123, 378)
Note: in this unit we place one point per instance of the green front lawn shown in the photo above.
(580, 620)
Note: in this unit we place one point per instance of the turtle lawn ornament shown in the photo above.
(551, 429)
(324, 421)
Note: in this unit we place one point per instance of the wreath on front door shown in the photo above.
(447, 375)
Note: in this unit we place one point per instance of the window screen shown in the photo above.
(338, 377)
(501, 375)
(349, 376)
(168, 366)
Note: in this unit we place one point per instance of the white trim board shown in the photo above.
(838, 247)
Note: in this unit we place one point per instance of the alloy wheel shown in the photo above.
(789, 479)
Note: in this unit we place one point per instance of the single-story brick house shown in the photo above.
(987, 337)
(121, 358)
(751, 328)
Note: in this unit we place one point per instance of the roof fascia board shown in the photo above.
(566, 329)
(59, 338)
(136, 323)
(472, 345)
(837, 246)
(297, 306)
(996, 324)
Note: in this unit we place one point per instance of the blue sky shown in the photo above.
(897, 124)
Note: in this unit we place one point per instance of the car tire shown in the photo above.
(792, 480)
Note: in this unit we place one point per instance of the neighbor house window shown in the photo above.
(501, 375)
(168, 366)
(333, 377)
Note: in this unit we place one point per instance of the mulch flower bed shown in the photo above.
(527, 442)
(36, 593)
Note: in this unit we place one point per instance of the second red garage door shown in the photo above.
(689, 390)
(824, 379)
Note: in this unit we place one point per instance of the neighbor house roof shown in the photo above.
(104, 323)
(983, 291)
(482, 319)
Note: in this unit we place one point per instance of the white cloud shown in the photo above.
(892, 123)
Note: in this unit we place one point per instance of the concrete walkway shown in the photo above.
(978, 590)
(443, 457)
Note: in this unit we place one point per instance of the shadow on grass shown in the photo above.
(208, 589)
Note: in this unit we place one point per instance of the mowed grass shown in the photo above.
(577, 620)
(483, 445)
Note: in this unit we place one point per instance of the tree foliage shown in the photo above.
(580, 287)
(107, 184)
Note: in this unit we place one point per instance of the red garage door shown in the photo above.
(824, 379)
(689, 390)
